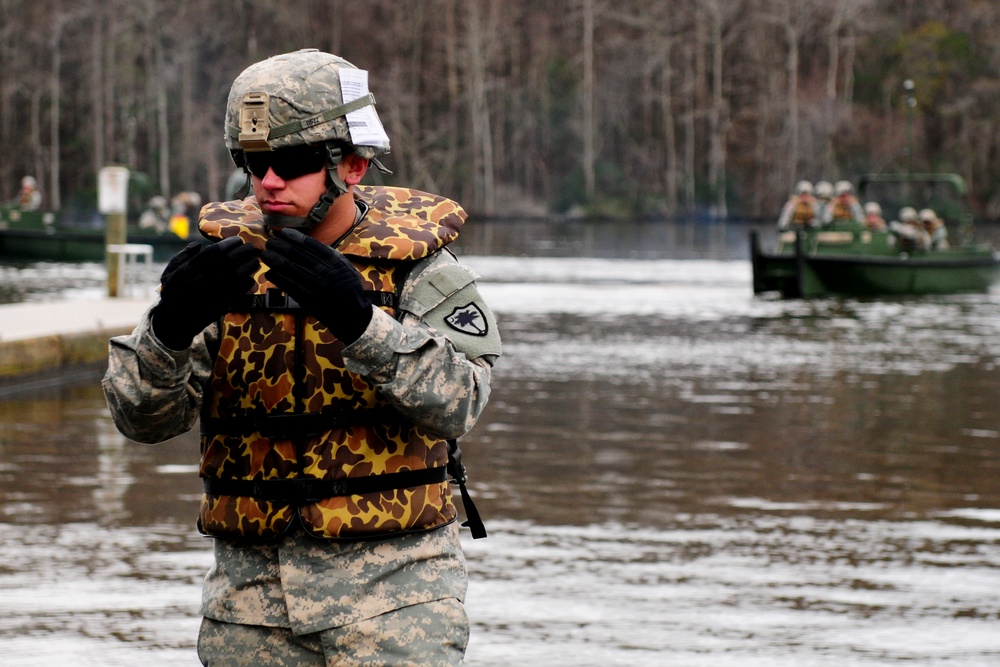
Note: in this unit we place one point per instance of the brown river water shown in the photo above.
(672, 472)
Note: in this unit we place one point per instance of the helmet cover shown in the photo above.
(294, 99)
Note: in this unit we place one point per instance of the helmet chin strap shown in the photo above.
(245, 188)
(335, 188)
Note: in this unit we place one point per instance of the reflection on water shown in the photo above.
(46, 281)
(673, 472)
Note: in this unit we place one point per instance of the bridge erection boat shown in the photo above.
(853, 259)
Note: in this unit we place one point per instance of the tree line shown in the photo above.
(605, 107)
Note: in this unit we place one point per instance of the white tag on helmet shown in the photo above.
(365, 127)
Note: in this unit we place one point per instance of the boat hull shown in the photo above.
(68, 246)
(797, 272)
(43, 236)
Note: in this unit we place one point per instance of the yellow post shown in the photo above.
(114, 233)
(112, 201)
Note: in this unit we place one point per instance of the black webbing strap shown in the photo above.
(297, 425)
(275, 300)
(300, 491)
(459, 475)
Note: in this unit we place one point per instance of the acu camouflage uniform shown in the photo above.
(423, 363)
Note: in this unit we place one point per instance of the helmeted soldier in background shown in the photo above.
(935, 228)
(186, 203)
(29, 198)
(156, 217)
(910, 231)
(800, 210)
(824, 194)
(331, 346)
(873, 216)
(844, 207)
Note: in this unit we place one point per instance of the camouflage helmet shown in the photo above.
(908, 214)
(843, 188)
(824, 190)
(804, 188)
(293, 99)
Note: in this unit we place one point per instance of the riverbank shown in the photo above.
(38, 339)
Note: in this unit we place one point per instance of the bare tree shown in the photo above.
(482, 139)
(790, 24)
(723, 102)
(717, 113)
(55, 101)
(97, 76)
(589, 158)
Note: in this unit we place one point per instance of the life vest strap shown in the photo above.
(276, 301)
(297, 425)
(460, 476)
(300, 491)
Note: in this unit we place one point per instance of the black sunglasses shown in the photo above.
(287, 163)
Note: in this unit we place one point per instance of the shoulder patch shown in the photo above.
(468, 319)
(443, 294)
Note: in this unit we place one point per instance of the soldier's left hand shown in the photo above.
(321, 280)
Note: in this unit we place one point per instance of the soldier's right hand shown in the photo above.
(198, 286)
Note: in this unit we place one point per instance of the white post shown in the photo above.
(112, 201)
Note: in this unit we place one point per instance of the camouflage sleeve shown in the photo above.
(155, 393)
(435, 373)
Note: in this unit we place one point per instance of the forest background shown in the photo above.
(655, 108)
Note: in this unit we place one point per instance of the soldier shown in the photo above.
(909, 230)
(845, 206)
(156, 217)
(873, 216)
(800, 210)
(934, 226)
(331, 346)
(29, 198)
(185, 204)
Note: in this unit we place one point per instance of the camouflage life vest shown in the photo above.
(804, 212)
(842, 210)
(287, 432)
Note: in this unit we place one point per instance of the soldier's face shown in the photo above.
(292, 196)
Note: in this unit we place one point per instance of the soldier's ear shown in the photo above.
(353, 168)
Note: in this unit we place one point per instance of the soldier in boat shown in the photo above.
(800, 211)
(845, 206)
(29, 198)
(910, 231)
(873, 217)
(934, 226)
(824, 196)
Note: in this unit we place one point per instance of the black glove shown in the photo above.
(321, 280)
(197, 287)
